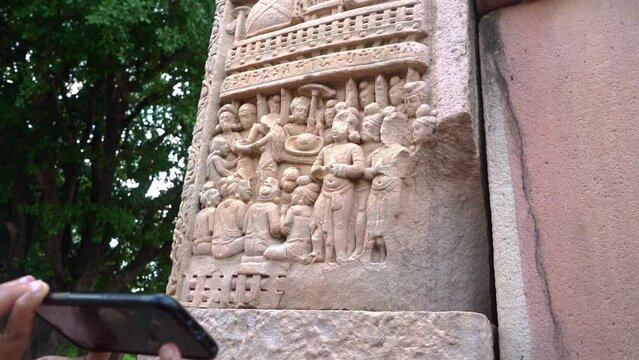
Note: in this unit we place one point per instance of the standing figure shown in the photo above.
(275, 108)
(205, 222)
(370, 141)
(296, 225)
(218, 163)
(338, 165)
(269, 147)
(229, 217)
(247, 115)
(387, 168)
(245, 163)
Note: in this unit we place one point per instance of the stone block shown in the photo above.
(288, 334)
(560, 100)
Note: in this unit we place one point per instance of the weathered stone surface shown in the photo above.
(335, 163)
(486, 6)
(285, 334)
(560, 98)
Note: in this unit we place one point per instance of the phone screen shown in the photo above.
(124, 329)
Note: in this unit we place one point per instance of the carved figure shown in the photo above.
(396, 92)
(300, 107)
(205, 222)
(388, 166)
(288, 183)
(373, 117)
(329, 115)
(229, 218)
(219, 164)
(337, 165)
(270, 146)
(262, 229)
(297, 224)
(248, 117)
(275, 107)
(381, 91)
(423, 129)
(366, 93)
(316, 92)
(262, 221)
(227, 118)
(416, 93)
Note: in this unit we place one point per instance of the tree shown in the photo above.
(98, 101)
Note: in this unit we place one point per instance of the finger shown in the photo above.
(11, 291)
(23, 280)
(18, 331)
(170, 352)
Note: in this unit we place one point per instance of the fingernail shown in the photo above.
(26, 279)
(35, 286)
(166, 353)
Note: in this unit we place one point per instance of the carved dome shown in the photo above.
(269, 15)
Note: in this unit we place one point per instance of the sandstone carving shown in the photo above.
(338, 165)
(388, 167)
(329, 169)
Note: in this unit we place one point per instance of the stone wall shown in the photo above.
(560, 83)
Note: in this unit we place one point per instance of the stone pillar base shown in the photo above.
(328, 334)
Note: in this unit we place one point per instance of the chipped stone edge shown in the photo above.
(514, 330)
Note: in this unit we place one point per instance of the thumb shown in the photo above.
(170, 352)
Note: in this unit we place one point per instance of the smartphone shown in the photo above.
(126, 323)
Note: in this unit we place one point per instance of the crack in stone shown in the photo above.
(497, 52)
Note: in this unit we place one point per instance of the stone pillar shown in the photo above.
(329, 214)
(560, 101)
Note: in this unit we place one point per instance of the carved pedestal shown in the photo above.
(335, 166)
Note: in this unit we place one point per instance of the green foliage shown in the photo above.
(97, 105)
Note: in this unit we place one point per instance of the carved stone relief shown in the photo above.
(330, 181)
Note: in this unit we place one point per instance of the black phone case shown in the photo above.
(207, 348)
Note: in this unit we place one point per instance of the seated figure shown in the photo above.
(296, 225)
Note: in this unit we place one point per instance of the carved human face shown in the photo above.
(299, 114)
(243, 191)
(227, 120)
(274, 105)
(268, 191)
(224, 149)
(412, 102)
(290, 174)
(370, 131)
(212, 199)
(395, 95)
(367, 96)
(421, 133)
(248, 117)
(340, 128)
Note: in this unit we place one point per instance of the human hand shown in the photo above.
(20, 298)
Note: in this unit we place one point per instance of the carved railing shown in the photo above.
(403, 20)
